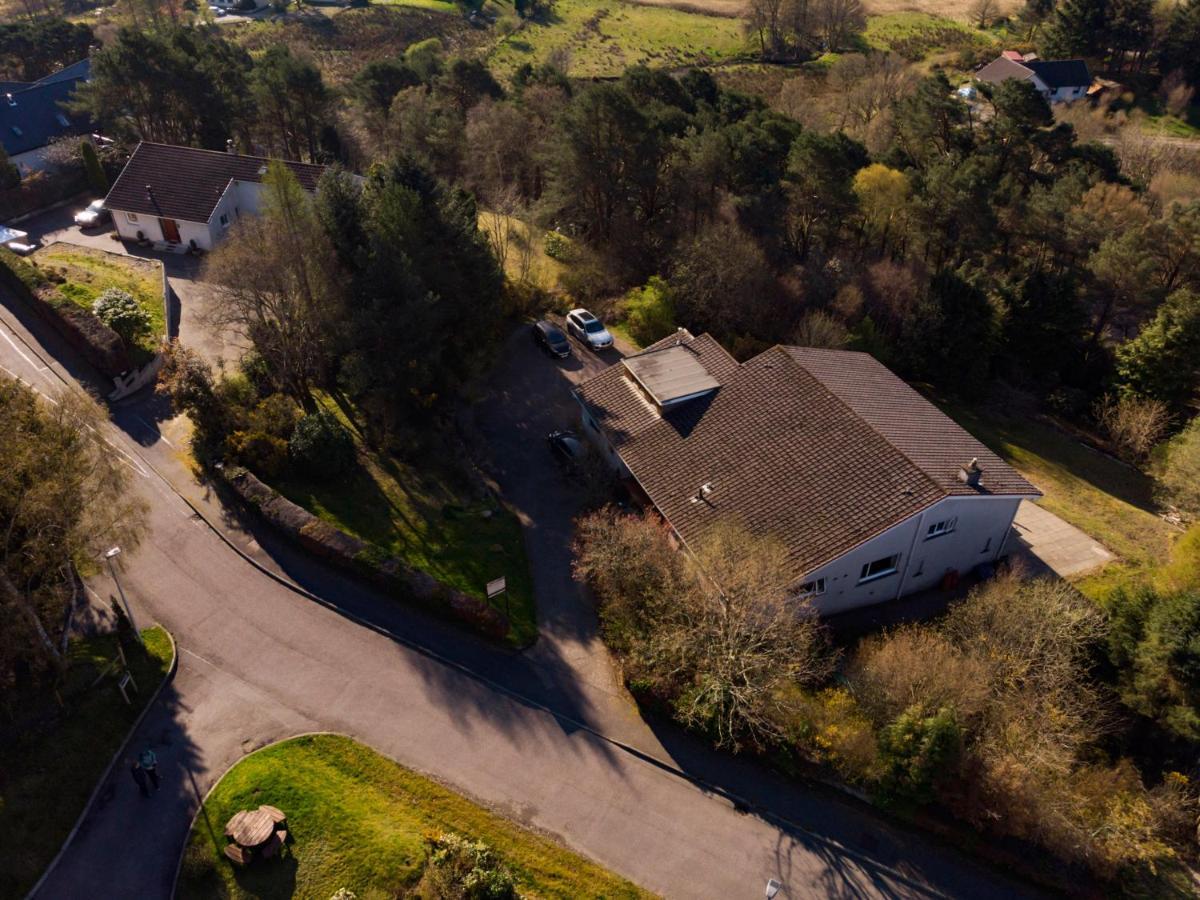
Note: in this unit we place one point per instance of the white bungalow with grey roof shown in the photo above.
(183, 197)
(1059, 81)
(873, 492)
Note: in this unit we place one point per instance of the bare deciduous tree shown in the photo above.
(64, 498)
(722, 633)
(984, 12)
(277, 285)
(1134, 424)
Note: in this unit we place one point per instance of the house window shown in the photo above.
(880, 568)
(132, 217)
(63, 120)
(937, 529)
(813, 588)
(224, 220)
(17, 131)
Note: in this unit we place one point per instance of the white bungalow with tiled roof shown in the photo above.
(1058, 80)
(188, 198)
(874, 492)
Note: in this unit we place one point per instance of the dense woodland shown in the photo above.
(983, 248)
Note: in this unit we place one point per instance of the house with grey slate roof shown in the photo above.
(188, 198)
(1059, 80)
(874, 492)
(33, 115)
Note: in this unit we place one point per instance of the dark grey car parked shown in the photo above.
(550, 338)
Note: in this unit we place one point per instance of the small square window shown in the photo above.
(132, 217)
(814, 588)
(224, 220)
(880, 568)
(937, 529)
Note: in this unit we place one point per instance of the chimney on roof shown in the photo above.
(971, 473)
(229, 148)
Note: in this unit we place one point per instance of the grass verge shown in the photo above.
(424, 516)
(90, 272)
(602, 38)
(358, 821)
(52, 765)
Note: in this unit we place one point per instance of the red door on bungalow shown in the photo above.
(170, 230)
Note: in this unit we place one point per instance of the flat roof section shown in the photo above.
(671, 375)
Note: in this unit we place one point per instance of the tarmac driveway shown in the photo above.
(192, 300)
(527, 396)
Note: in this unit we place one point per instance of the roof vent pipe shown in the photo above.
(229, 148)
(971, 473)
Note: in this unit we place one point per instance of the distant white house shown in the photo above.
(873, 492)
(181, 196)
(1059, 81)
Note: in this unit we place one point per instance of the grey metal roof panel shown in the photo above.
(671, 374)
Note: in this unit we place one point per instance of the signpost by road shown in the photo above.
(497, 587)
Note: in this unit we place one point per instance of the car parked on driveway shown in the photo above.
(588, 329)
(550, 338)
(567, 448)
(22, 247)
(93, 216)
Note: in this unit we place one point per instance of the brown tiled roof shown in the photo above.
(787, 453)
(186, 183)
(914, 426)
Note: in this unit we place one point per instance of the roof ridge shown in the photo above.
(854, 412)
(290, 162)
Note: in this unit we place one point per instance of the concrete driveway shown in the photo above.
(1048, 544)
(193, 298)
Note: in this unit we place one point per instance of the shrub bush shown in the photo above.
(649, 312)
(915, 750)
(320, 446)
(558, 246)
(263, 454)
(461, 869)
(121, 312)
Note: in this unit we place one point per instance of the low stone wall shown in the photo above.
(355, 555)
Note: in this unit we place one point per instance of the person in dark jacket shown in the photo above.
(139, 776)
(149, 764)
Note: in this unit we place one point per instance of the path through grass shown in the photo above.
(358, 820)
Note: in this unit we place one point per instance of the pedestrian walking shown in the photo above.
(149, 764)
(139, 776)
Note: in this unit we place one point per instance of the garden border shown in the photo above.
(87, 807)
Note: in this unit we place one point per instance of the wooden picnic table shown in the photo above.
(251, 828)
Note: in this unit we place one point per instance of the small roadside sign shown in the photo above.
(496, 588)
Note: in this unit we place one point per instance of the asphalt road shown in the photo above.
(546, 737)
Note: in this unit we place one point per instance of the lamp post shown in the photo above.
(110, 555)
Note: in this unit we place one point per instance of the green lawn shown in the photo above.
(51, 769)
(602, 38)
(914, 35)
(358, 820)
(422, 515)
(89, 272)
(1110, 501)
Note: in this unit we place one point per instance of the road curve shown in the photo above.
(260, 661)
